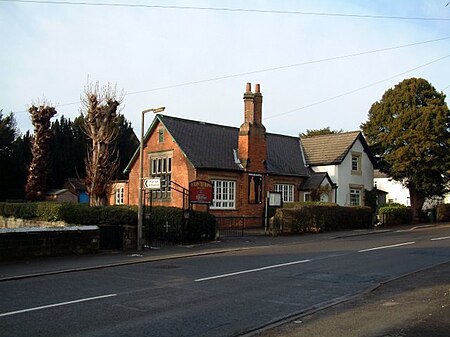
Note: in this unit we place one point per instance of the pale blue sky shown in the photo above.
(50, 50)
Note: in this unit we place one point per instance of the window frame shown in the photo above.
(287, 191)
(356, 158)
(226, 190)
(358, 193)
(119, 195)
(161, 167)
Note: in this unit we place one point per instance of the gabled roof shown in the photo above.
(331, 149)
(315, 181)
(212, 146)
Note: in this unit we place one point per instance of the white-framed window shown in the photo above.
(287, 191)
(356, 163)
(355, 196)
(161, 167)
(119, 196)
(224, 194)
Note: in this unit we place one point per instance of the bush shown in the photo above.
(395, 214)
(167, 223)
(443, 213)
(170, 224)
(321, 217)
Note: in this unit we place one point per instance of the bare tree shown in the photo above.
(37, 174)
(100, 106)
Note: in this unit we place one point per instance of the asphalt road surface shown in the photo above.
(228, 294)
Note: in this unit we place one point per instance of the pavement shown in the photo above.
(417, 304)
(41, 266)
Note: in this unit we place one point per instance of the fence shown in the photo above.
(240, 226)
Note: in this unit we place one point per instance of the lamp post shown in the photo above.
(141, 171)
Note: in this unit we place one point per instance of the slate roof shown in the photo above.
(331, 149)
(315, 181)
(212, 146)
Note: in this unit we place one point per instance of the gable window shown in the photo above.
(255, 189)
(287, 191)
(119, 196)
(355, 197)
(356, 163)
(160, 135)
(161, 167)
(224, 194)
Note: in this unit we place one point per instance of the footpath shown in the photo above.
(412, 306)
(41, 266)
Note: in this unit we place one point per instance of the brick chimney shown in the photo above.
(252, 148)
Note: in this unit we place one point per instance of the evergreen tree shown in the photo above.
(317, 132)
(409, 130)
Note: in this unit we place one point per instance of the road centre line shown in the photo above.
(56, 305)
(251, 270)
(385, 247)
(441, 238)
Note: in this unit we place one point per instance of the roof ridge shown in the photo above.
(332, 134)
(198, 122)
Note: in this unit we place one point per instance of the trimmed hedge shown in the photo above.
(443, 213)
(320, 217)
(74, 214)
(395, 214)
(170, 224)
(200, 226)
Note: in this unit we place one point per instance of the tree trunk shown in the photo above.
(417, 200)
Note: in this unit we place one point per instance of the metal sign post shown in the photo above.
(150, 185)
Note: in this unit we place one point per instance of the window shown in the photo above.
(355, 197)
(356, 163)
(255, 189)
(286, 190)
(160, 135)
(119, 196)
(161, 167)
(224, 192)
(307, 196)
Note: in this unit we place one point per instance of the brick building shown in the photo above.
(242, 164)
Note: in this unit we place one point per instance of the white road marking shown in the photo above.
(385, 247)
(251, 270)
(56, 305)
(441, 238)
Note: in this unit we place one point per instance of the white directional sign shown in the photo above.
(152, 183)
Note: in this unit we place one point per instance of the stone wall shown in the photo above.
(19, 243)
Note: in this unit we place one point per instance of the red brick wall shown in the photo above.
(182, 170)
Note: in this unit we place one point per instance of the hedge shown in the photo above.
(320, 217)
(395, 214)
(170, 224)
(443, 213)
(200, 226)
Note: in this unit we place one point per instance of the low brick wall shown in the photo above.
(21, 243)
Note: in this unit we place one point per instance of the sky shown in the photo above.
(319, 63)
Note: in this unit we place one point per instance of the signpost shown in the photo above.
(151, 184)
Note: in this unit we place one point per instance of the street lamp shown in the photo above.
(141, 170)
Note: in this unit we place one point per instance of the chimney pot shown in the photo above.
(249, 87)
(257, 88)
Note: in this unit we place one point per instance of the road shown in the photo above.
(215, 295)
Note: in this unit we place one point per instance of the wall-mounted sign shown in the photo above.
(275, 199)
(152, 183)
(200, 192)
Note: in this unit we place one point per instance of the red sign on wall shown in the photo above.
(200, 192)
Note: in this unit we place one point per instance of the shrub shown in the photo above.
(395, 214)
(170, 224)
(443, 212)
(321, 217)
